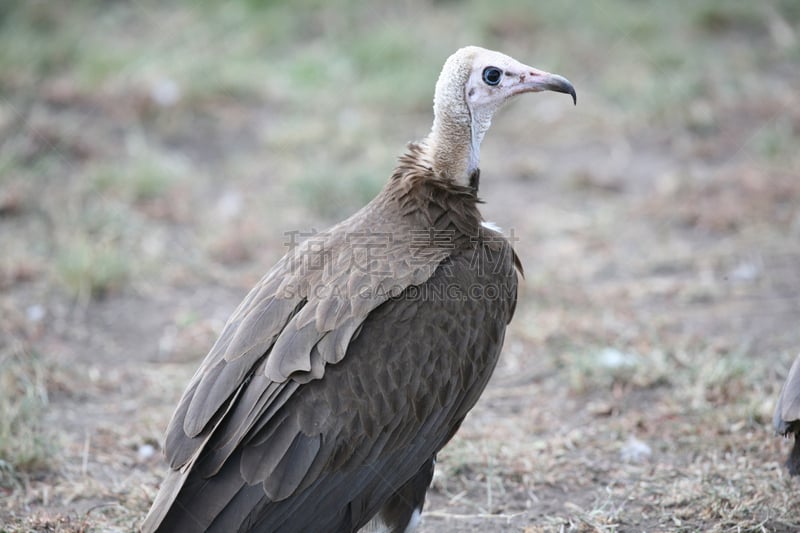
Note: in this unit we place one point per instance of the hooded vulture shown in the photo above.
(787, 415)
(323, 403)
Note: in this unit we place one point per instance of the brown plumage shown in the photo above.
(787, 415)
(354, 360)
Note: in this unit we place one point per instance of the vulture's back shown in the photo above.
(348, 437)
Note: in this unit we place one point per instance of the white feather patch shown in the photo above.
(416, 518)
(491, 226)
(377, 525)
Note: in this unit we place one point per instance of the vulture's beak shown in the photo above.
(535, 80)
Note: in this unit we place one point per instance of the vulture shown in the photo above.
(787, 415)
(354, 360)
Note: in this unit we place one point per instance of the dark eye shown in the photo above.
(492, 75)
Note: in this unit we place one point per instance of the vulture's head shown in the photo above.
(474, 83)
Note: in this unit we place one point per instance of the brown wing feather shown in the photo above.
(444, 353)
(430, 354)
(257, 411)
(248, 340)
(279, 321)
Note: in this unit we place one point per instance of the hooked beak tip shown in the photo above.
(560, 84)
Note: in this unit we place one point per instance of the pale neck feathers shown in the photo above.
(453, 145)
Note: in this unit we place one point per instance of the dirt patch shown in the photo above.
(149, 180)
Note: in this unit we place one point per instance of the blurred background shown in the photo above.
(154, 156)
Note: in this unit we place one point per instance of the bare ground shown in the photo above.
(656, 322)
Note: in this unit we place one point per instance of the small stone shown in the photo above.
(745, 271)
(600, 408)
(635, 451)
(230, 205)
(35, 313)
(145, 452)
(614, 359)
(165, 92)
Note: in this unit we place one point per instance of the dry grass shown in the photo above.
(154, 155)
(24, 442)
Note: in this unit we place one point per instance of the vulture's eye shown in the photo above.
(492, 75)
